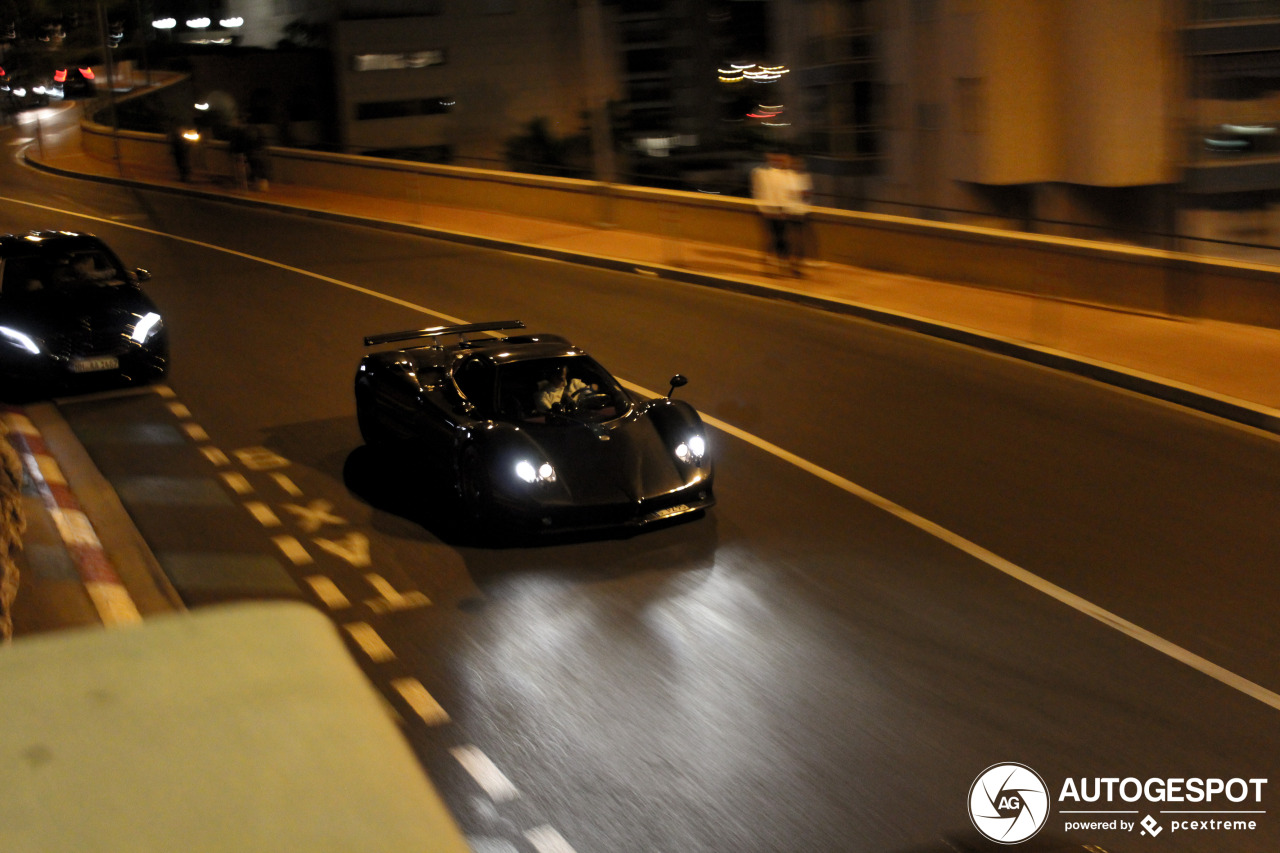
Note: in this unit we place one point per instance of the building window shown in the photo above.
(396, 61)
(403, 109)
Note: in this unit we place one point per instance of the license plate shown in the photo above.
(669, 512)
(89, 365)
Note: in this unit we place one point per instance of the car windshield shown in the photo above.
(538, 390)
(47, 273)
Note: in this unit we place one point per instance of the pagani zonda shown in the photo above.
(533, 434)
(73, 318)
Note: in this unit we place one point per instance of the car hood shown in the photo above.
(59, 314)
(625, 460)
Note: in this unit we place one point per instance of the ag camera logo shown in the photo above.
(1008, 803)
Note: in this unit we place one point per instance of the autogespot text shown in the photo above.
(1223, 805)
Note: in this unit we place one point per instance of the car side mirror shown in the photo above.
(141, 275)
(677, 381)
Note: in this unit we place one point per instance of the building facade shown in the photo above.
(1058, 116)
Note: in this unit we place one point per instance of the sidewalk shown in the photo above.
(1223, 368)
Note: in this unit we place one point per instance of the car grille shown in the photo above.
(87, 340)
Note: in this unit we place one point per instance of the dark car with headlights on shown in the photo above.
(531, 433)
(73, 318)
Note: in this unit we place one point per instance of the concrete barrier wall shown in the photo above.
(1117, 276)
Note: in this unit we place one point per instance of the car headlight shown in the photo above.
(20, 340)
(146, 327)
(691, 451)
(530, 473)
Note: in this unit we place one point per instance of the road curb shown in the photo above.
(1188, 396)
(90, 519)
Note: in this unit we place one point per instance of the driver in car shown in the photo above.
(561, 392)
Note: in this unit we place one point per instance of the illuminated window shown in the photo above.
(396, 61)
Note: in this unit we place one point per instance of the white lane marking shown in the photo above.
(484, 771)
(195, 432)
(293, 549)
(211, 247)
(263, 513)
(546, 840)
(327, 591)
(165, 391)
(216, 456)
(369, 640)
(289, 487)
(179, 410)
(238, 482)
(1070, 599)
(422, 702)
(995, 561)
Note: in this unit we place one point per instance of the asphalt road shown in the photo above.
(800, 670)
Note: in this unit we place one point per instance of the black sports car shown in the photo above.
(533, 434)
(72, 318)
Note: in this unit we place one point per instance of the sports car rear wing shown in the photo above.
(437, 331)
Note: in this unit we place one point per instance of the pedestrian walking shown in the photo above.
(797, 191)
(181, 150)
(769, 189)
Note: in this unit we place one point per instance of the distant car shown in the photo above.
(73, 318)
(24, 93)
(75, 82)
(531, 433)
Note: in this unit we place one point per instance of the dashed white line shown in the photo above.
(422, 702)
(179, 410)
(546, 840)
(370, 642)
(263, 513)
(327, 591)
(486, 773)
(238, 482)
(293, 549)
(195, 432)
(289, 487)
(216, 456)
